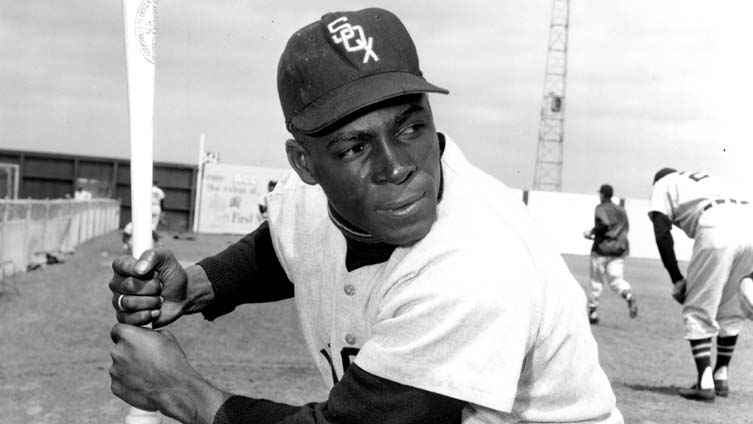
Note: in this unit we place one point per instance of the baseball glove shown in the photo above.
(678, 291)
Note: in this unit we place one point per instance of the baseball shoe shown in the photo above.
(694, 393)
(721, 388)
(593, 316)
(632, 305)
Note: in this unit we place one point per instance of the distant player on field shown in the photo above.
(425, 290)
(158, 204)
(263, 200)
(610, 246)
(710, 211)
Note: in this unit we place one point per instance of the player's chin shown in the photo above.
(402, 231)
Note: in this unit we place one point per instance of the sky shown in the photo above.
(649, 83)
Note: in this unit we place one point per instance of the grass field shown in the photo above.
(54, 346)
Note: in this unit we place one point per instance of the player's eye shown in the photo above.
(411, 129)
(351, 151)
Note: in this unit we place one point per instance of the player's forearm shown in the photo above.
(666, 244)
(669, 260)
(246, 272)
(192, 400)
(360, 397)
(200, 291)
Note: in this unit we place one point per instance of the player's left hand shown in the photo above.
(678, 291)
(587, 235)
(150, 371)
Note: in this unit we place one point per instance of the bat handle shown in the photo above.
(138, 416)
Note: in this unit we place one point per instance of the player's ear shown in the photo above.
(300, 160)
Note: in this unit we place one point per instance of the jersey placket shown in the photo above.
(352, 326)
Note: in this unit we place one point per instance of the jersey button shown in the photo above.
(350, 289)
(350, 339)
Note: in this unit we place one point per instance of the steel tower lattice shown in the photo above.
(549, 152)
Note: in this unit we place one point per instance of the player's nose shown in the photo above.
(394, 164)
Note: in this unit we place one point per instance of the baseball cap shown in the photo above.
(662, 173)
(344, 62)
(606, 191)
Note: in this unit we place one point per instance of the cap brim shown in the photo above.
(358, 94)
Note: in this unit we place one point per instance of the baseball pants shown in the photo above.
(606, 270)
(722, 256)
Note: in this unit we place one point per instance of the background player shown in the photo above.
(610, 246)
(710, 211)
(420, 300)
(263, 200)
(158, 204)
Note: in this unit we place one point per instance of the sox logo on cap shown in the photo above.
(343, 32)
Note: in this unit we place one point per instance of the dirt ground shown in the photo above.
(54, 346)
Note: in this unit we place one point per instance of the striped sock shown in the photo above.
(701, 349)
(725, 346)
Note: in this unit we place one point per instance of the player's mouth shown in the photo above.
(403, 207)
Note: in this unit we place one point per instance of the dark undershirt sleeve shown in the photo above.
(666, 245)
(360, 397)
(245, 272)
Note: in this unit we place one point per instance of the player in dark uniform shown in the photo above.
(610, 246)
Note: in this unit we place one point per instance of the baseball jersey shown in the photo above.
(82, 195)
(481, 309)
(610, 230)
(157, 196)
(682, 197)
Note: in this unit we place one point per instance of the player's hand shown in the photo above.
(587, 234)
(150, 371)
(153, 288)
(678, 291)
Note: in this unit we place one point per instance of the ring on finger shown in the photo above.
(120, 303)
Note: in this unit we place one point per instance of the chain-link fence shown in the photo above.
(30, 228)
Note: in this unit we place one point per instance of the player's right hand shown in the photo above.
(678, 291)
(153, 288)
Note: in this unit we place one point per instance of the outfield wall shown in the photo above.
(229, 197)
(564, 217)
(31, 228)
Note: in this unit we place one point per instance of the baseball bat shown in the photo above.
(140, 26)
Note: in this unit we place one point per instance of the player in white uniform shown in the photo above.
(158, 198)
(425, 291)
(713, 213)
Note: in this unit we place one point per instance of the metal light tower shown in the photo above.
(548, 173)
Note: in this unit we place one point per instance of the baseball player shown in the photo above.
(158, 200)
(426, 293)
(710, 211)
(271, 184)
(610, 246)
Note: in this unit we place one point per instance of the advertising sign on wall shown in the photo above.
(230, 197)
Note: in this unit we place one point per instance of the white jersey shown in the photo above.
(157, 196)
(82, 195)
(682, 197)
(482, 309)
